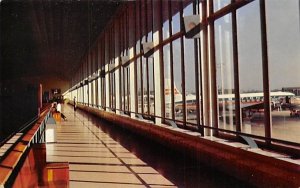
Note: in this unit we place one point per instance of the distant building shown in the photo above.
(225, 91)
(295, 90)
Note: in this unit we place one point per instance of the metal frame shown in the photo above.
(120, 89)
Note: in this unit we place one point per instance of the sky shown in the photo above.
(283, 36)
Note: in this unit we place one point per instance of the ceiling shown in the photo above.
(41, 37)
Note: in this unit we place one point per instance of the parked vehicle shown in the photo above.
(295, 113)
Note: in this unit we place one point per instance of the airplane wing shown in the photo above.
(252, 106)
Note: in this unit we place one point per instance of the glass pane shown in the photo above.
(284, 65)
(145, 84)
(175, 17)
(93, 93)
(149, 20)
(166, 21)
(86, 94)
(99, 92)
(189, 58)
(138, 28)
(123, 88)
(112, 90)
(127, 107)
(167, 74)
(114, 97)
(218, 4)
(143, 18)
(224, 66)
(249, 54)
(177, 79)
(143, 81)
(128, 89)
(151, 87)
(117, 39)
(139, 89)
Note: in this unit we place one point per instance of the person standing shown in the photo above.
(58, 108)
(74, 104)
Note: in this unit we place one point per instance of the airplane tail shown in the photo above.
(168, 88)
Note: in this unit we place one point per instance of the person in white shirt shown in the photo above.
(58, 108)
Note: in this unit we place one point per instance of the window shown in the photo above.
(189, 63)
(189, 80)
(218, 4)
(224, 66)
(249, 60)
(284, 57)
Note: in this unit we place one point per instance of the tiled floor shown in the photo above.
(97, 160)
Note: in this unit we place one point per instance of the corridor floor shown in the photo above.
(97, 160)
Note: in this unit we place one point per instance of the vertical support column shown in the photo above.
(86, 94)
(99, 89)
(205, 75)
(117, 86)
(213, 94)
(89, 93)
(265, 67)
(107, 98)
(132, 66)
(183, 70)
(79, 94)
(236, 74)
(157, 62)
(132, 85)
(93, 93)
(76, 94)
(83, 94)
(72, 94)
(198, 73)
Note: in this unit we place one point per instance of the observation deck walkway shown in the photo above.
(97, 160)
(118, 151)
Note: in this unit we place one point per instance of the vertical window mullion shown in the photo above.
(143, 33)
(104, 80)
(124, 89)
(128, 88)
(121, 67)
(213, 97)
(197, 48)
(236, 73)
(135, 61)
(147, 61)
(265, 67)
(171, 64)
(182, 68)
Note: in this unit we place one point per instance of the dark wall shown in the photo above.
(18, 104)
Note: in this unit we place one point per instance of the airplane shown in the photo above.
(249, 101)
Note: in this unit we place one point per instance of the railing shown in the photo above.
(14, 151)
(25, 127)
(20, 130)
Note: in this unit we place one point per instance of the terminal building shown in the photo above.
(156, 93)
(295, 90)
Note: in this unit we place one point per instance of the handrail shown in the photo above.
(24, 126)
(28, 123)
(13, 157)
